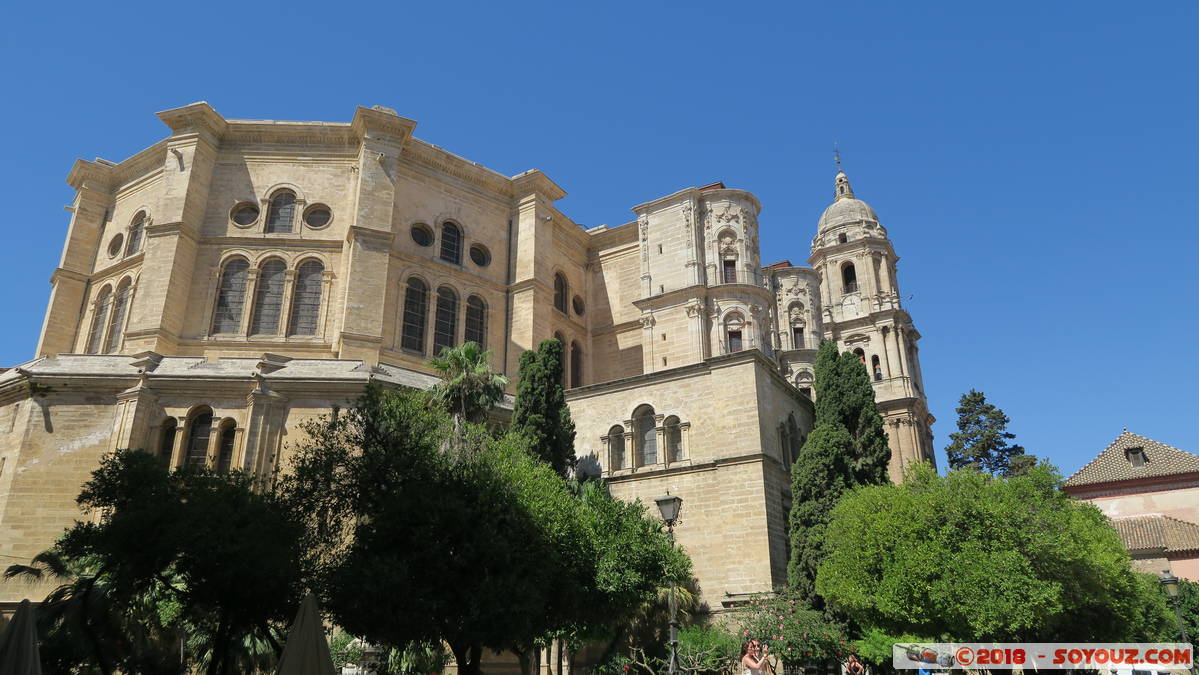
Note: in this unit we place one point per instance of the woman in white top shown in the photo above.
(753, 657)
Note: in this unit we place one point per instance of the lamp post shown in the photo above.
(669, 506)
(1170, 583)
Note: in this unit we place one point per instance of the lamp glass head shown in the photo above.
(1171, 583)
(668, 506)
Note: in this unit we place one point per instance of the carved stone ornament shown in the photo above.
(647, 321)
(695, 309)
(643, 225)
(727, 214)
(796, 315)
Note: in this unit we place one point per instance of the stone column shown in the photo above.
(262, 406)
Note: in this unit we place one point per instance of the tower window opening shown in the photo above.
(797, 337)
(1136, 456)
(876, 367)
(842, 238)
(730, 271)
(861, 355)
(849, 278)
(734, 341)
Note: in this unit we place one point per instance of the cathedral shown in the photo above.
(241, 277)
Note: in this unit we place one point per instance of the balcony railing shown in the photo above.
(752, 278)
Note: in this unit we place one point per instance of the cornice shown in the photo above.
(98, 176)
(534, 181)
(272, 133)
(381, 120)
(427, 159)
(64, 273)
(194, 118)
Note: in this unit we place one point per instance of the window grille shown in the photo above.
(116, 324)
(136, 232)
(647, 437)
(445, 325)
(560, 292)
(451, 243)
(99, 321)
(268, 299)
(166, 445)
(476, 321)
(225, 459)
(306, 299)
(231, 297)
(197, 439)
(616, 447)
(282, 212)
(416, 306)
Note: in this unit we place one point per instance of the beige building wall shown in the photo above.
(673, 310)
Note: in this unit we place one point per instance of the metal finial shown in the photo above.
(837, 156)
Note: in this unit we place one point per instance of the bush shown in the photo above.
(708, 649)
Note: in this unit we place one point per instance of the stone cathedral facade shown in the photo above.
(239, 277)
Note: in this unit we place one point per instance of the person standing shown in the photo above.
(753, 657)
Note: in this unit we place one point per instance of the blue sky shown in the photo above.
(1033, 162)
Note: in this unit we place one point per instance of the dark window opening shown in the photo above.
(451, 243)
(197, 440)
(225, 458)
(416, 306)
(849, 279)
(797, 337)
(730, 271)
(734, 341)
(560, 292)
(876, 367)
(445, 325)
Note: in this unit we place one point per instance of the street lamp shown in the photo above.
(668, 506)
(1170, 583)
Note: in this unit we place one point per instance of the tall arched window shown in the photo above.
(576, 365)
(306, 298)
(451, 243)
(734, 326)
(199, 429)
(616, 447)
(476, 321)
(116, 322)
(231, 297)
(225, 454)
(849, 278)
(445, 324)
(416, 312)
(561, 291)
(166, 441)
(674, 438)
(282, 211)
(268, 298)
(136, 233)
(645, 435)
(99, 320)
(876, 368)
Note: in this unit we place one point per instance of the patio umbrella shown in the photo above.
(18, 648)
(306, 651)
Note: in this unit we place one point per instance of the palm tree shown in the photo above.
(468, 388)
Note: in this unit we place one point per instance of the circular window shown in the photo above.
(317, 215)
(114, 246)
(422, 235)
(244, 214)
(577, 303)
(480, 255)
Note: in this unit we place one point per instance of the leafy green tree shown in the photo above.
(541, 412)
(220, 569)
(973, 558)
(796, 634)
(468, 388)
(488, 548)
(847, 448)
(982, 440)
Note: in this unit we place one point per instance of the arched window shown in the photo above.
(849, 278)
(445, 323)
(416, 312)
(476, 321)
(268, 299)
(674, 439)
(876, 367)
(734, 325)
(166, 441)
(282, 211)
(225, 454)
(861, 355)
(561, 291)
(576, 365)
(99, 320)
(116, 322)
(136, 233)
(616, 447)
(306, 298)
(198, 431)
(645, 435)
(231, 297)
(451, 243)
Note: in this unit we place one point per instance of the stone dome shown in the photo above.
(845, 208)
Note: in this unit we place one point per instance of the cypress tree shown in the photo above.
(847, 448)
(540, 412)
(982, 440)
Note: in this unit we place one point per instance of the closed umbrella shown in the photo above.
(306, 651)
(18, 648)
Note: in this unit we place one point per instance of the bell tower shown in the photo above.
(863, 314)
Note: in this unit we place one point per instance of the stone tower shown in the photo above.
(863, 314)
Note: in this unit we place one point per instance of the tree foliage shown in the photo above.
(177, 552)
(796, 634)
(973, 558)
(541, 412)
(486, 548)
(847, 447)
(982, 440)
